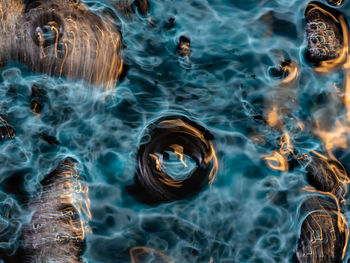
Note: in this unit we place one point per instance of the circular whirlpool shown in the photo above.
(177, 160)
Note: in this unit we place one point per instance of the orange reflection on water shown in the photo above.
(273, 118)
(187, 128)
(179, 151)
(156, 159)
(277, 162)
(278, 104)
(279, 159)
(292, 69)
(335, 138)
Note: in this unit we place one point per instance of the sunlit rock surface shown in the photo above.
(62, 38)
(56, 231)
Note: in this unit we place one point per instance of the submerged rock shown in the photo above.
(327, 36)
(335, 2)
(327, 175)
(6, 131)
(184, 46)
(49, 139)
(36, 100)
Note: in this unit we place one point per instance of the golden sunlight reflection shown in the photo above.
(278, 104)
(273, 117)
(279, 159)
(277, 162)
(211, 157)
(179, 151)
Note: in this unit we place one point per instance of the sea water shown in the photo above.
(251, 211)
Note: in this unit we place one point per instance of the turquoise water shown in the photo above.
(251, 211)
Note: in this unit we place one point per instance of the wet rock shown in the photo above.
(56, 231)
(129, 7)
(36, 100)
(184, 46)
(170, 23)
(142, 6)
(183, 137)
(327, 33)
(326, 175)
(335, 2)
(49, 139)
(6, 131)
(322, 238)
(61, 38)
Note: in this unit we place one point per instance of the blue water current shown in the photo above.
(251, 212)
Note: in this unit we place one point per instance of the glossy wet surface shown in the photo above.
(266, 126)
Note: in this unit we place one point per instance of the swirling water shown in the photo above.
(251, 211)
